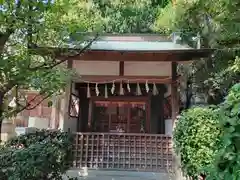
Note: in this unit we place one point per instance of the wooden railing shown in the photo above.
(126, 151)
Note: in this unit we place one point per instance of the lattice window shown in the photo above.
(119, 116)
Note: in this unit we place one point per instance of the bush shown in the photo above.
(196, 136)
(227, 164)
(43, 155)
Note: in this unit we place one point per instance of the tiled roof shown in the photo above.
(136, 46)
(135, 42)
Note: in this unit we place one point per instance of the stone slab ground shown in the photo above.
(116, 175)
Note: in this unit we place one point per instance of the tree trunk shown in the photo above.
(188, 93)
(1, 115)
(203, 177)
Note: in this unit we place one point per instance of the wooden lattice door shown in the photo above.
(120, 116)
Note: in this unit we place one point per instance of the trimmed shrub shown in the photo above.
(43, 155)
(196, 137)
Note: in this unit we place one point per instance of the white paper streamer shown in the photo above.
(88, 91)
(155, 90)
(96, 89)
(113, 88)
(138, 90)
(106, 91)
(147, 87)
(128, 87)
(121, 90)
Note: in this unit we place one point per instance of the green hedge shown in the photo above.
(196, 136)
(227, 162)
(39, 156)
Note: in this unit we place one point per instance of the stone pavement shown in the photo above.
(116, 175)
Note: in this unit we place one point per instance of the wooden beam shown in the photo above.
(121, 68)
(120, 56)
(69, 64)
(169, 56)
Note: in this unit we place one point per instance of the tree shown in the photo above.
(128, 16)
(218, 28)
(34, 41)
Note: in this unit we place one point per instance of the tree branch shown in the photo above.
(28, 105)
(33, 99)
(7, 87)
(57, 53)
(3, 39)
(33, 107)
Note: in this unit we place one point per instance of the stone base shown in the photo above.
(40, 123)
(8, 130)
(7, 136)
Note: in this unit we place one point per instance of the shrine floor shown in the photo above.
(116, 175)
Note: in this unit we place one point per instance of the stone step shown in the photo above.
(116, 175)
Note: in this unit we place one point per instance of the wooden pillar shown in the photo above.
(64, 118)
(175, 110)
(53, 113)
(62, 112)
(84, 110)
(174, 93)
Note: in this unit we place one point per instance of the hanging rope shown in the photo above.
(119, 80)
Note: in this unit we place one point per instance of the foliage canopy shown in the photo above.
(33, 37)
(218, 28)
